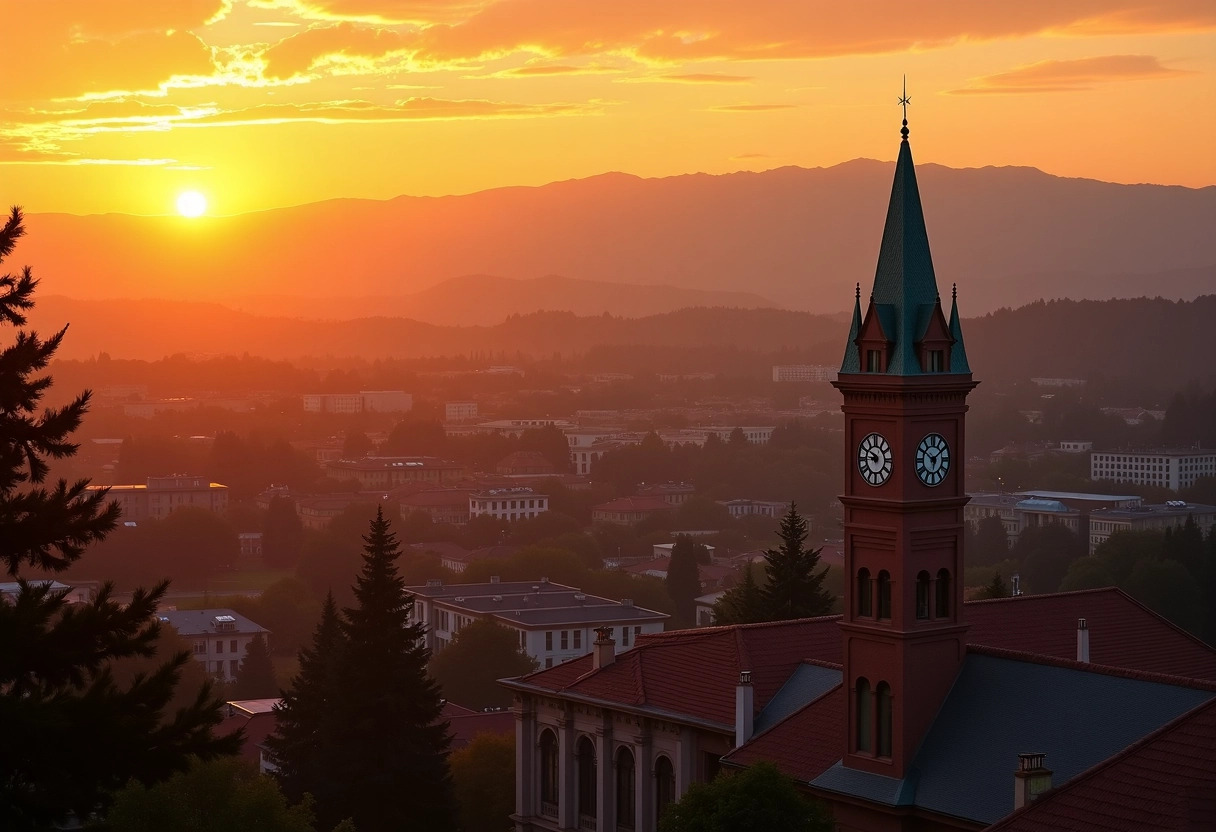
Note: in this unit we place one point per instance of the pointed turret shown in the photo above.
(958, 353)
(852, 356)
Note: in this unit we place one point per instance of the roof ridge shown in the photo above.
(1091, 667)
(1042, 595)
(1101, 765)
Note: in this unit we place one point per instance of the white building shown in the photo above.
(1075, 446)
(508, 503)
(459, 411)
(758, 508)
(220, 638)
(554, 623)
(803, 372)
(1166, 468)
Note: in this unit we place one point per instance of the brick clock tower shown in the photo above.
(905, 381)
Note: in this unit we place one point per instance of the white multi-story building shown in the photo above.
(219, 638)
(1167, 468)
(508, 503)
(459, 411)
(803, 372)
(554, 623)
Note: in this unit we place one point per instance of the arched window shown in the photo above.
(865, 716)
(943, 594)
(865, 597)
(586, 779)
(626, 805)
(664, 786)
(883, 697)
(884, 594)
(548, 774)
(922, 595)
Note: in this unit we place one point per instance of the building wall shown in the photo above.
(459, 411)
(1172, 470)
(508, 505)
(803, 372)
(161, 496)
(1102, 527)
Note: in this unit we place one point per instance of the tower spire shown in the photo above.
(904, 101)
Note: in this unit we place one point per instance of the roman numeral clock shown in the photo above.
(932, 459)
(874, 459)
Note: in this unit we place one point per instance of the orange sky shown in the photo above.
(120, 105)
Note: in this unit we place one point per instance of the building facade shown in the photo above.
(219, 638)
(377, 473)
(459, 411)
(159, 497)
(803, 372)
(365, 401)
(1173, 514)
(508, 503)
(1172, 469)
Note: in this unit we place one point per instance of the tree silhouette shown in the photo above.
(683, 580)
(743, 603)
(760, 797)
(255, 678)
(468, 670)
(794, 589)
(282, 533)
(72, 734)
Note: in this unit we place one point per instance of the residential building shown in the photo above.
(78, 592)
(219, 637)
(456, 559)
(1172, 514)
(520, 463)
(626, 511)
(754, 434)
(508, 503)
(459, 411)
(803, 372)
(672, 493)
(315, 511)
(381, 473)
(1174, 469)
(1058, 382)
(159, 497)
(554, 623)
(444, 505)
(148, 408)
(255, 718)
(1075, 446)
(756, 508)
(365, 401)
(1034, 508)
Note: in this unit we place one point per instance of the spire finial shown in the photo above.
(954, 293)
(858, 292)
(904, 101)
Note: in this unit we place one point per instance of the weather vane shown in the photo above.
(904, 101)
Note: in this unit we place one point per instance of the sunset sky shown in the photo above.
(122, 105)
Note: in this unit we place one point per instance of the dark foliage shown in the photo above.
(469, 668)
(757, 799)
(794, 589)
(683, 581)
(255, 679)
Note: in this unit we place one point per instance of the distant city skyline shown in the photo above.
(257, 104)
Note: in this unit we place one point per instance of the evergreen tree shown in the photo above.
(684, 581)
(743, 603)
(480, 654)
(995, 588)
(282, 534)
(794, 588)
(72, 734)
(304, 738)
(760, 797)
(990, 544)
(393, 742)
(255, 679)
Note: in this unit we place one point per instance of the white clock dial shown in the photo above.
(932, 459)
(874, 459)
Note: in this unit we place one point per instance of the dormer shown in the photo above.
(935, 341)
(875, 341)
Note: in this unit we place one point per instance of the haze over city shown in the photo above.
(658, 415)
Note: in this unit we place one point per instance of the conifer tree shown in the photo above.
(743, 603)
(72, 735)
(255, 679)
(282, 534)
(683, 581)
(794, 588)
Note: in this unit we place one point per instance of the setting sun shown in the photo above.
(191, 204)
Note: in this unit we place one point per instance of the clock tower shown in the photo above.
(905, 381)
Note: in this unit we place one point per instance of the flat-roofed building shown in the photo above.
(459, 411)
(508, 503)
(1172, 514)
(219, 637)
(1035, 508)
(443, 505)
(554, 623)
(755, 508)
(625, 511)
(159, 497)
(381, 473)
(803, 372)
(365, 401)
(1174, 469)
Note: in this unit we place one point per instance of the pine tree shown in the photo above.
(794, 589)
(683, 581)
(393, 741)
(743, 603)
(996, 588)
(303, 742)
(72, 735)
(282, 534)
(255, 679)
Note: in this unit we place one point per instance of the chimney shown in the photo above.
(1082, 640)
(745, 708)
(1030, 780)
(494, 579)
(604, 652)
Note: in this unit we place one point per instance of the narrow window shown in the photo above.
(922, 596)
(626, 803)
(884, 594)
(578, 639)
(943, 593)
(873, 361)
(219, 647)
(664, 786)
(884, 719)
(565, 639)
(586, 779)
(549, 640)
(548, 774)
(865, 596)
(937, 361)
(865, 716)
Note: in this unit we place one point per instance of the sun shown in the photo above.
(191, 204)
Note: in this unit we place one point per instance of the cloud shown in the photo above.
(697, 78)
(743, 157)
(380, 12)
(750, 108)
(1071, 75)
(548, 70)
(347, 43)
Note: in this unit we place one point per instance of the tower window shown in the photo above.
(865, 598)
(943, 594)
(873, 361)
(922, 596)
(865, 716)
(937, 361)
(883, 697)
(884, 594)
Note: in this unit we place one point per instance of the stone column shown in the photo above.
(643, 767)
(686, 765)
(526, 787)
(567, 774)
(605, 787)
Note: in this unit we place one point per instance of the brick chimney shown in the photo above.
(745, 708)
(1030, 780)
(1082, 640)
(604, 648)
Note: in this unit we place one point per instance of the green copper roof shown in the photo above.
(852, 356)
(958, 354)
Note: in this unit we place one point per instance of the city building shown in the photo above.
(754, 434)
(1075, 446)
(148, 408)
(1173, 469)
(459, 411)
(1058, 382)
(625, 511)
(159, 497)
(444, 505)
(911, 710)
(1034, 508)
(508, 503)
(381, 473)
(672, 493)
(756, 508)
(554, 623)
(803, 372)
(519, 463)
(78, 592)
(219, 638)
(1172, 514)
(365, 401)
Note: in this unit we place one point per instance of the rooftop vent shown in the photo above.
(494, 579)
(578, 596)
(434, 582)
(626, 602)
(498, 599)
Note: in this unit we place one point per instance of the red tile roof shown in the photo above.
(1166, 782)
(804, 744)
(466, 726)
(660, 671)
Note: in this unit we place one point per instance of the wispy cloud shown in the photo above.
(750, 108)
(1070, 76)
(692, 78)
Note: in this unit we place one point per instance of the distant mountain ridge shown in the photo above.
(800, 237)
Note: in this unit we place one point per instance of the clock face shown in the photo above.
(932, 459)
(874, 459)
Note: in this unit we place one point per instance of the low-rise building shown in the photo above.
(1035, 508)
(459, 411)
(803, 372)
(219, 638)
(381, 473)
(78, 592)
(1172, 514)
(554, 623)
(626, 511)
(672, 493)
(1174, 469)
(508, 503)
(1075, 446)
(365, 401)
(159, 497)
(443, 505)
(754, 434)
(316, 510)
(756, 508)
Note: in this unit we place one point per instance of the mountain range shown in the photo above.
(800, 238)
